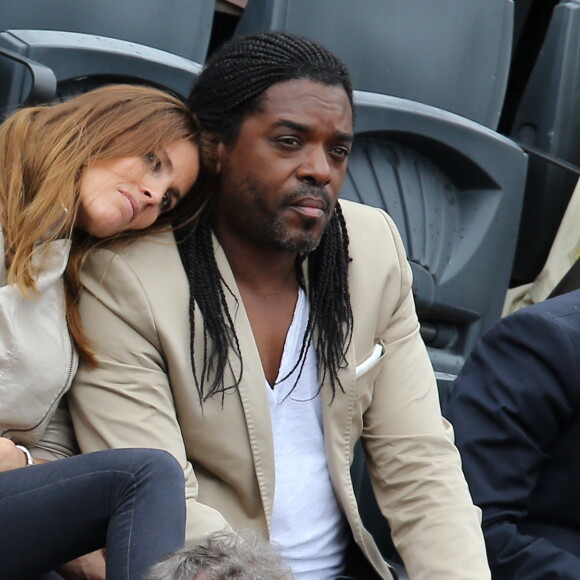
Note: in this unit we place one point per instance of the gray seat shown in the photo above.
(454, 188)
(182, 27)
(452, 54)
(39, 65)
(548, 118)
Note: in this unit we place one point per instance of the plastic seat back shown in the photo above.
(452, 54)
(39, 65)
(454, 188)
(182, 27)
(548, 118)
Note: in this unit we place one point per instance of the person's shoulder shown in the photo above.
(561, 308)
(366, 220)
(370, 226)
(355, 212)
(544, 324)
(154, 252)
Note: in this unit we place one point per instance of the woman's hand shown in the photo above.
(10, 456)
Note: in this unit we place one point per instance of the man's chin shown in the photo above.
(302, 237)
(301, 245)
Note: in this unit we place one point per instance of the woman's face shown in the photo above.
(130, 193)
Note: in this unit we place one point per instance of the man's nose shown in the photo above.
(315, 168)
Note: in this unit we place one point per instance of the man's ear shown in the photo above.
(212, 151)
(219, 156)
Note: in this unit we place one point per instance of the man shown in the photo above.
(279, 331)
(223, 556)
(515, 409)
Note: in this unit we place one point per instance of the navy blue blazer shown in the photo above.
(516, 412)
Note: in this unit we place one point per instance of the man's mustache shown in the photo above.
(312, 191)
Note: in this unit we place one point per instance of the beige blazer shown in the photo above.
(135, 310)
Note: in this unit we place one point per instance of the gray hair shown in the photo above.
(223, 556)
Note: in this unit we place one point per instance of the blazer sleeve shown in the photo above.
(127, 400)
(414, 466)
(514, 398)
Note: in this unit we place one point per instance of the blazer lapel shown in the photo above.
(337, 411)
(252, 387)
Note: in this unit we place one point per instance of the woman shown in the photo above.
(101, 165)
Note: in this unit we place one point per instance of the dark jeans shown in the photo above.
(129, 501)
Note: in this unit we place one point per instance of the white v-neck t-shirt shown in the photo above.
(307, 522)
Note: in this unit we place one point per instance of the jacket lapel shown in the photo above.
(252, 388)
(337, 411)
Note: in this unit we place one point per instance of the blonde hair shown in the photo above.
(43, 151)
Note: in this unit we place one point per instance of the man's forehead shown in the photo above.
(300, 98)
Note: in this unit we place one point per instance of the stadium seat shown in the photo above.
(452, 54)
(36, 63)
(548, 119)
(182, 27)
(454, 188)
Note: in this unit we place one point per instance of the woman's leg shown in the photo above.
(130, 501)
(150, 520)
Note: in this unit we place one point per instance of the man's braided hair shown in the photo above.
(231, 87)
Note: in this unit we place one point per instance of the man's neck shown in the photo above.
(268, 285)
(262, 270)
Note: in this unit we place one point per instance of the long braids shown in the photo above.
(207, 292)
(233, 83)
(230, 87)
(329, 295)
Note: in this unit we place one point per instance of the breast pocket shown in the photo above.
(367, 371)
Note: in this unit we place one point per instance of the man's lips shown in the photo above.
(313, 207)
(133, 206)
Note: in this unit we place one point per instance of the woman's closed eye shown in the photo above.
(153, 161)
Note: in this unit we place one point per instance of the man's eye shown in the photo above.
(289, 141)
(341, 151)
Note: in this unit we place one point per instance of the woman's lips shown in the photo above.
(134, 208)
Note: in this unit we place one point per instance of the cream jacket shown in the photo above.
(135, 309)
(37, 357)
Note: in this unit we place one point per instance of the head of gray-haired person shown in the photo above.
(223, 556)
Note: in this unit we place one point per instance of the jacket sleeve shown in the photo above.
(512, 401)
(127, 401)
(414, 466)
(58, 440)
